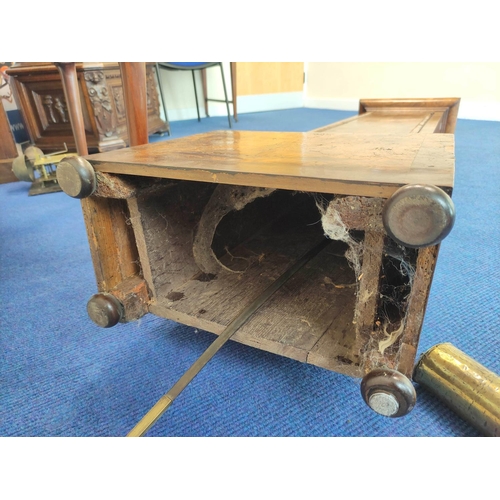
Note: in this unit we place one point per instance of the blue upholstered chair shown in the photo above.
(193, 66)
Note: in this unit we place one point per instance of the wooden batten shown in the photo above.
(424, 272)
(112, 244)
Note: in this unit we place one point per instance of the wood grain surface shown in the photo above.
(357, 164)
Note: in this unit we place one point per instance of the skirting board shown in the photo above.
(468, 110)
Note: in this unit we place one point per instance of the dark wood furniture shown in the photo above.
(40, 97)
(8, 150)
(194, 229)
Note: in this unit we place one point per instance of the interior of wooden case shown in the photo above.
(310, 318)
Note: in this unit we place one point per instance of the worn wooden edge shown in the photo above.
(133, 293)
(417, 305)
(127, 186)
(273, 181)
(417, 102)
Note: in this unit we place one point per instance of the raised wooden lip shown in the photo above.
(449, 104)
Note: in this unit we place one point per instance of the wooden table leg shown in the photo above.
(134, 93)
(204, 86)
(233, 89)
(111, 239)
(69, 78)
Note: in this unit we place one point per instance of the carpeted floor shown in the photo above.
(60, 375)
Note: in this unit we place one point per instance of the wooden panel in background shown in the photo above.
(8, 150)
(254, 78)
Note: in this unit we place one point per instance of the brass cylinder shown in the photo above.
(467, 387)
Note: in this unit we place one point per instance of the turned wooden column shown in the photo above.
(72, 95)
(111, 240)
(134, 93)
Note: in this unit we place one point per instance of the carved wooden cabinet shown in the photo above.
(39, 93)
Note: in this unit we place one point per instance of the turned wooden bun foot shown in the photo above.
(388, 392)
(76, 177)
(418, 215)
(105, 310)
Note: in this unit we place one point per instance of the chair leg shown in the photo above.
(205, 91)
(225, 95)
(233, 89)
(162, 97)
(196, 96)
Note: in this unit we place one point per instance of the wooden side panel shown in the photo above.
(367, 300)
(164, 225)
(112, 244)
(426, 263)
(8, 148)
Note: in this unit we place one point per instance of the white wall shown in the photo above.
(332, 85)
(341, 85)
(179, 94)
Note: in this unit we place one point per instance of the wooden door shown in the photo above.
(254, 78)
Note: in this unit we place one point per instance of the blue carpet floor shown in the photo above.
(60, 375)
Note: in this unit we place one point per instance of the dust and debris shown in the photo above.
(329, 281)
(390, 338)
(396, 274)
(235, 257)
(335, 229)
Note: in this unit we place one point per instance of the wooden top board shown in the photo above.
(341, 163)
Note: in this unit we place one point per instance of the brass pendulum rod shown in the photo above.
(166, 400)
